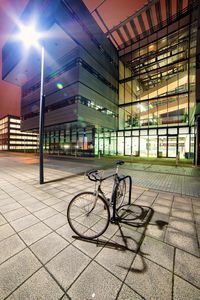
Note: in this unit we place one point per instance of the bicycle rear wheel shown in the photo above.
(120, 193)
(88, 217)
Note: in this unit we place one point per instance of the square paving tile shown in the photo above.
(187, 266)
(61, 206)
(49, 246)
(5, 231)
(159, 252)
(24, 222)
(35, 206)
(56, 221)
(185, 291)
(128, 294)
(15, 270)
(67, 265)
(45, 213)
(16, 214)
(6, 208)
(116, 259)
(10, 246)
(34, 233)
(149, 280)
(182, 225)
(38, 286)
(178, 213)
(95, 283)
(182, 241)
(155, 231)
(2, 220)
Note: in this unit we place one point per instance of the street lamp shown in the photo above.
(31, 38)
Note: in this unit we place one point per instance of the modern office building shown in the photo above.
(11, 137)
(132, 90)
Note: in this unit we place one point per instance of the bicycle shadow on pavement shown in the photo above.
(128, 239)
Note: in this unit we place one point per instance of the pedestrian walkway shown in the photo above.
(40, 258)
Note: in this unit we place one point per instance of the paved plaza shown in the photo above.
(41, 259)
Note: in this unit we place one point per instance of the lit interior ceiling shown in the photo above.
(125, 22)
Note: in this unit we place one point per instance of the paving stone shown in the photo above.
(90, 247)
(149, 280)
(128, 238)
(56, 221)
(161, 208)
(67, 233)
(116, 259)
(182, 225)
(197, 218)
(6, 201)
(155, 231)
(51, 201)
(187, 266)
(5, 231)
(185, 291)
(16, 214)
(128, 294)
(61, 206)
(10, 246)
(24, 222)
(49, 246)
(9, 207)
(16, 270)
(67, 265)
(45, 213)
(34, 233)
(37, 205)
(101, 285)
(158, 252)
(38, 286)
(2, 220)
(182, 241)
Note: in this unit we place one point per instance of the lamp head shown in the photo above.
(29, 36)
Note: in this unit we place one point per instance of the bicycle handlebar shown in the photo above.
(93, 174)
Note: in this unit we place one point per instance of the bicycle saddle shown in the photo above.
(119, 162)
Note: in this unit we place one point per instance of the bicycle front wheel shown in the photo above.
(88, 216)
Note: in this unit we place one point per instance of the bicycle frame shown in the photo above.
(113, 198)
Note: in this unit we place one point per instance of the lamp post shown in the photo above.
(41, 118)
(30, 37)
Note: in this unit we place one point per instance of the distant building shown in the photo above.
(11, 137)
(132, 91)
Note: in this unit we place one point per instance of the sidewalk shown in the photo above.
(39, 258)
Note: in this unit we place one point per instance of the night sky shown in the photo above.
(113, 12)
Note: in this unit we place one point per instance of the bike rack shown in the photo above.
(114, 218)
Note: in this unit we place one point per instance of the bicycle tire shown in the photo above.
(120, 193)
(130, 212)
(85, 223)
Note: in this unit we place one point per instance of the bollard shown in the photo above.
(177, 159)
(99, 154)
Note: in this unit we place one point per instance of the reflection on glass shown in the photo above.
(172, 146)
(153, 146)
(162, 146)
(144, 146)
(135, 145)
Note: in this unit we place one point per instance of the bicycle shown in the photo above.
(88, 213)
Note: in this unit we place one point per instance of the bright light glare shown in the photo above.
(29, 36)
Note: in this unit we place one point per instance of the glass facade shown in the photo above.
(157, 94)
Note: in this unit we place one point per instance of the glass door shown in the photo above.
(162, 146)
(127, 145)
(172, 145)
